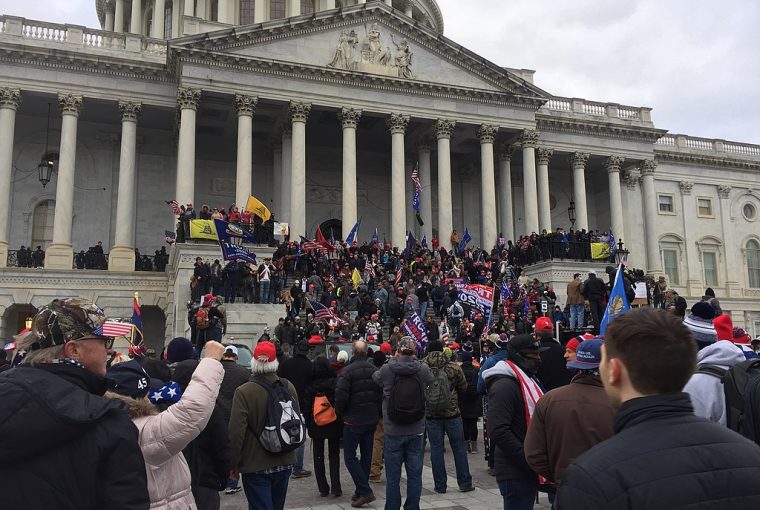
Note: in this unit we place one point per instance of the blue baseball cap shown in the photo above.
(588, 356)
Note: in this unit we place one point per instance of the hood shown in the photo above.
(404, 365)
(499, 370)
(436, 359)
(722, 353)
(137, 408)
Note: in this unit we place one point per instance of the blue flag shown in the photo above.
(466, 238)
(226, 231)
(424, 241)
(375, 237)
(618, 302)
(410, 240)
(565, 241)
(613, 245)
(505, 290)
(417, 188)
(354, 231)
(526, 305)
(237, 252)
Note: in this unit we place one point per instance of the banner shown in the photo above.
(600, 251)
(203, 229)
(227, 231)
(415, 328)
(237, 252)
(254, 206)
(618, 302)
(479, 297)
(281, 229)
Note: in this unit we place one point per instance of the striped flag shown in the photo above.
(308, 245)
(114, 329)
(369, 269)
(322, 313)
(417, 187)
(399, 275)
(175, 206)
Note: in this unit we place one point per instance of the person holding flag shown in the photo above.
(466, 238)
(617, 303)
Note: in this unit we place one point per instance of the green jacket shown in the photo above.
(247, 417)
(438, 361)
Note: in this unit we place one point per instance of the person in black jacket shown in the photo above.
(594, 290)
(297, 370)
(322, 383)
(358, 399)
(470, 403)
(62, 444)
(661, 457)
(553, 371)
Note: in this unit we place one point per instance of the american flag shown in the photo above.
(369, 269)
(175, 206)
(171, 237)
(309, 245)
(114, 329)
(399, 275)
(322, 313)
(417, 188)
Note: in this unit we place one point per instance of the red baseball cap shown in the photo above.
(544, 325)
(385, 347)
(265, 351)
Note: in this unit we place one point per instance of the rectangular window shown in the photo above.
(278, 9)
(704, 207)
(670, 262)
(665, 204)
(710, 264)
(168, 21)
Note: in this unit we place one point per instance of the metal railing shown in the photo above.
(87, 261)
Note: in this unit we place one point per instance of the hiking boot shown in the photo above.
(301, 474)
(363, 500)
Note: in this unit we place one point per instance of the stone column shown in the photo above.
(543, 156)
(654, 263)
(397, 124)
(135, 22)
(277, 179)
(616, 197)
(409, 8)
(157, 29)
(293, 8)
(732, 256)
(246, 107)
(693, 277)
(287, 167)
(10, 100)
(578, 163)
(443, 130)
(260, 8)
(299, 114)
(226, 13)
(426, 200)
(109, 18)
(187, 100)
(507, 218)
(349, 119)
(529, 140)
(118, 16)
(486, 135)
(189, 8)
(60, 254)
(122, 255)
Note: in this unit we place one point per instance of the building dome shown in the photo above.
(115, 15)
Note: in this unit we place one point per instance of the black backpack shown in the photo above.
(406, 404)
(284, 427)
(741, 386)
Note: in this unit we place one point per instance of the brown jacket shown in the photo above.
(574, 296)
(567, 421)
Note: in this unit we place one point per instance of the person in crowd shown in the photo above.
(163, 435)
(512, 394)
(575, 301)
(552, 372)
(298, 370)
(403, 380)
(675, 304)
(443, 417)
(661, 456)
(357, 400)
(63, 444)
(571, 419)
(322, 384)
(470, 403)
(265, 474)
(595, 291)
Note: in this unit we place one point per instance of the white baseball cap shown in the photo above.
(230, 350)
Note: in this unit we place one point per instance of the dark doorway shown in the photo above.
(15, 319)
(154, 327)
(332, 229)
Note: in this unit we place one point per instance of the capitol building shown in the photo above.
(321, 109)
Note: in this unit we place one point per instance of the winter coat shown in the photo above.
(567, 422)
(297, 370)
(574, 296)
(321, 383)
(385, 377)
(437, 360)
(553, 372)
(662, 457)
(594, 289)
(163, 436)
(234, 376)
(64, 446)
(208, 455)
(489, 362)
(357, 397)
(705, 390)
(470, 403)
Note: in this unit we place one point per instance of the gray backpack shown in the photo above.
(438, 392)
(284, 427)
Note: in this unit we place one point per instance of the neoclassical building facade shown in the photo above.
(321, 109)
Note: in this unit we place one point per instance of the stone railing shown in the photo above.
(615, 111)
(75, 36)
(708, 145)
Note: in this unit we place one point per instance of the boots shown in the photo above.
(474, 447)
(469, 446)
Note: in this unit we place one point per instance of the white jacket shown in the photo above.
(706, 391)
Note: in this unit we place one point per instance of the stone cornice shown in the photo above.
(687, 158)
(602, 129)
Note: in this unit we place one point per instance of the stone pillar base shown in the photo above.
(121, 258)
(59, 256)
(3, 254)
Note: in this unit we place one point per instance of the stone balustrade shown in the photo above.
(576, 106)
(708, 145)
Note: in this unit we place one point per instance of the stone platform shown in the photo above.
(246, 322)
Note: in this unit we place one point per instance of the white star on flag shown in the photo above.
(157, 396)
(172, 392)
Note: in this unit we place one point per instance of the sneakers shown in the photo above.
(301, 474)
(362, 500)
(233, 490)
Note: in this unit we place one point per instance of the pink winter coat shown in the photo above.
(162, 436)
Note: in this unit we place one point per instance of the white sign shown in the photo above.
(641, 290)
(544, 306)
(281, 229)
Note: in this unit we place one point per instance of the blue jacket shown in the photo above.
(499, 355)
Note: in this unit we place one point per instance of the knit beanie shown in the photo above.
(724, 327)
(700, 323)
(179, 349)
(434, 346)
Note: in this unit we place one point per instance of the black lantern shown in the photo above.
(571, 213)
(45, 170)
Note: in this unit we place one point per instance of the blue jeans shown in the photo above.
(299, 458)
(518, 495)
(423, 309)
(408, 450)
(576, 316)
(453, 428)
(264, 292)
(361, 437)
(266, 491)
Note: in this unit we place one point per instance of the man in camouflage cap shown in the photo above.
(63, 445)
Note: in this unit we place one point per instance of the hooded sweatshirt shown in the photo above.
(385, 378)
(705, 390)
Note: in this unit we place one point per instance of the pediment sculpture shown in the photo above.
(373, 55)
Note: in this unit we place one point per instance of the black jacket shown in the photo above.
(553, 372)
(64, 446)
(234, 375)
(297, 370)
(357, 397)
(321, 383)
(664, 457)
(208, 455)
(507, 429)
(594, 289)
(470, 403)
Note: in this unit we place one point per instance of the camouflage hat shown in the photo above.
(64, 320)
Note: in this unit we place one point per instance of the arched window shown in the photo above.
(247, 11)
(277, 9)
(753, 263)
(42, 224)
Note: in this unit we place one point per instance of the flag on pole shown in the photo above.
(175, 206)
(354, 231)
(137, 334)
(410, 240)
(424, 241)
(322, 240)
(466, 238)
(506, 292)
(255, 206)
(356, 278)
(618, 302)
(526, 305)
(369, 269)
(417, 187)
(114, 329)
(322, 313)
(375, 237)
(399, 274)
(308, 245)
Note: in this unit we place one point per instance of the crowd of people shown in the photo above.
(261, 231)
(94, 258)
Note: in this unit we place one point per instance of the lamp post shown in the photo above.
(45, 170)
(571, 213)
(621, 253)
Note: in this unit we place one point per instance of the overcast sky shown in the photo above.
(693, 61)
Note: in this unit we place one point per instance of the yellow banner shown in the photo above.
(203, 229)
(600, 251)
(356, 278)
(254, 206)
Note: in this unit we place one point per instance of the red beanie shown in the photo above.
(724, 327)
(385, 347)
(573, 344)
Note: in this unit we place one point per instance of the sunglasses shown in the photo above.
(107, 340)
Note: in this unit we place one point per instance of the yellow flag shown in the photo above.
(203, 229)
(356, 278)
(600, 251)
(254, 206)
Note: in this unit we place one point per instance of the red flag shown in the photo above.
(322, 240)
